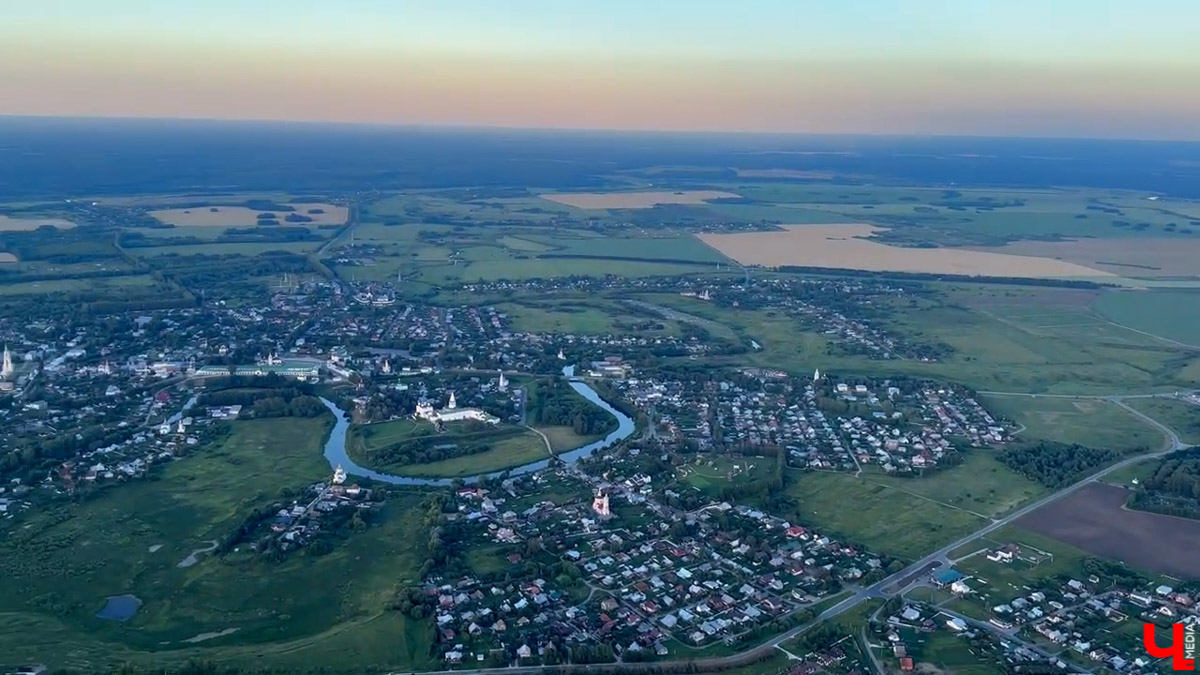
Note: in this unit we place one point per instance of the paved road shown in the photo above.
(901, 581)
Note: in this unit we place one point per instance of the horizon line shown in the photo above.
(433, 126)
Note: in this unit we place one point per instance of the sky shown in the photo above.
(1079, 68)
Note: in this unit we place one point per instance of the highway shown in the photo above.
(900, 582)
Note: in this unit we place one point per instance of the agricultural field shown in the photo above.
(1152, 257)
(633, 200)
(132, 538)
(1171, 314)
(241, 216)
(1095, 520)
(11, 224)
(853, 247)
(1092, 422)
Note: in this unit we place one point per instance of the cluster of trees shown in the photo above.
(555, 403)
(424, 445)
(1174, 489)
(1055, 464)
(262, 397)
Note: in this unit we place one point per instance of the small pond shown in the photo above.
(120, 608)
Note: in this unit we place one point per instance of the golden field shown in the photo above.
(846, 247)
(633, 200)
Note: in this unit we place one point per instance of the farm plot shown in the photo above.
(1095, 520)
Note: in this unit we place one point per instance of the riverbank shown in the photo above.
(336, 453)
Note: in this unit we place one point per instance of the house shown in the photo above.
(524, 652)
(956, 624)
(906, 663)
(910, 614)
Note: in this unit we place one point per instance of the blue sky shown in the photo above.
(1107, 67)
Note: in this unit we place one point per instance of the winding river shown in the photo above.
(335, 447)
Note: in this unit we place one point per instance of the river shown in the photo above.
(335, 447)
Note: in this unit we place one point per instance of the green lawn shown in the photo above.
(1182, 417)
(1095, 423)
(59, 569)
(882, 518)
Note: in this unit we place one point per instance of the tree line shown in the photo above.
(1055, 464)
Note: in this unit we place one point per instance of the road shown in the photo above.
(900, 582)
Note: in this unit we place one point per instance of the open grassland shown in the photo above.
(241, 216)
(563, 438)
(883, 518)
(90, 286)
(1005, 338)
(846, 247)
(437, 254)
(971, 217)
(505, 453)
(60, 569)
(1174, 314)
(1155, 256)
(509, 446)
(227, 248)
(1182, 417)
(981, 485)
(633, 200)
(1091, 422)
(11, 224)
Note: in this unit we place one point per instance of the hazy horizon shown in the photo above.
(1018, 68)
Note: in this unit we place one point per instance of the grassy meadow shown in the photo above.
(131, 539)
(1092, 422)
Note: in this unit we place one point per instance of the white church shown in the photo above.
(452, 413)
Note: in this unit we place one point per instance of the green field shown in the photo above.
(510, 446)
(981, 484)
(711, 474)
(910, 517)
(1092, 422)
(1005, 339)
(883, 519)
(60, 568)
(564, 438)
(579, 316)
(1174, 314)
(90, 286)
(247, 249)
(1182, 417)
